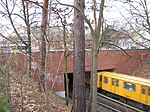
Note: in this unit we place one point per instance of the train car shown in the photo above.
(130, 87)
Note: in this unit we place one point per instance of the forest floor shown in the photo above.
(30, 98)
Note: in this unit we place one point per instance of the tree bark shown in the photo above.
(43, 43)
(26, 15)
(65, 65)
(79, 97)
(43, 82)
(96, 41)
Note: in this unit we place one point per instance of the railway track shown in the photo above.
(112, 105)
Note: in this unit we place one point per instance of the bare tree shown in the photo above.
(43, 52)
(79, 99)
(96, 35)
(43, 42)
(17, 28)
(27, 22)
(137, 21)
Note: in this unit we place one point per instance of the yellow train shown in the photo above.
(130, 87)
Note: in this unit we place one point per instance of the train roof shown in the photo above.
(129, 78)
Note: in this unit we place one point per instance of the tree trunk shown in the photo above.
(65, 65)
(43, 82)
(67, 80)
(93, 89)
(26, 19)
(79, 97)
(43, 43)
(96, 41)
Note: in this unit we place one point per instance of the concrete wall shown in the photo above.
(124, 62)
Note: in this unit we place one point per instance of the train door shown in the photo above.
(99, 81)
(117, 86)
(144, 93)
(113, 85)
(106, 84)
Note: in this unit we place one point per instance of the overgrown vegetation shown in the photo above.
(4, 103)
(4, 98)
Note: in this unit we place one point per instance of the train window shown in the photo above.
(117, 83)
(105, 80)
(113, 82)
(129, 86)
(143, 90)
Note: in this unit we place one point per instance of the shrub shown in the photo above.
(4, 103)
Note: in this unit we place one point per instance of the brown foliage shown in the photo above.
(33, 98)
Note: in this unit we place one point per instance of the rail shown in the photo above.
(114, 105)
